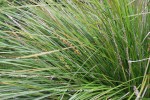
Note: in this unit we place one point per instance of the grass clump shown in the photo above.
(75, 50)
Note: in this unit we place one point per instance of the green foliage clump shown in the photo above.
(75, 49)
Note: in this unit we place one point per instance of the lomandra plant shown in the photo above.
(75, 49)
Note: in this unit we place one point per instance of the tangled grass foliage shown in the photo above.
(75, 49)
